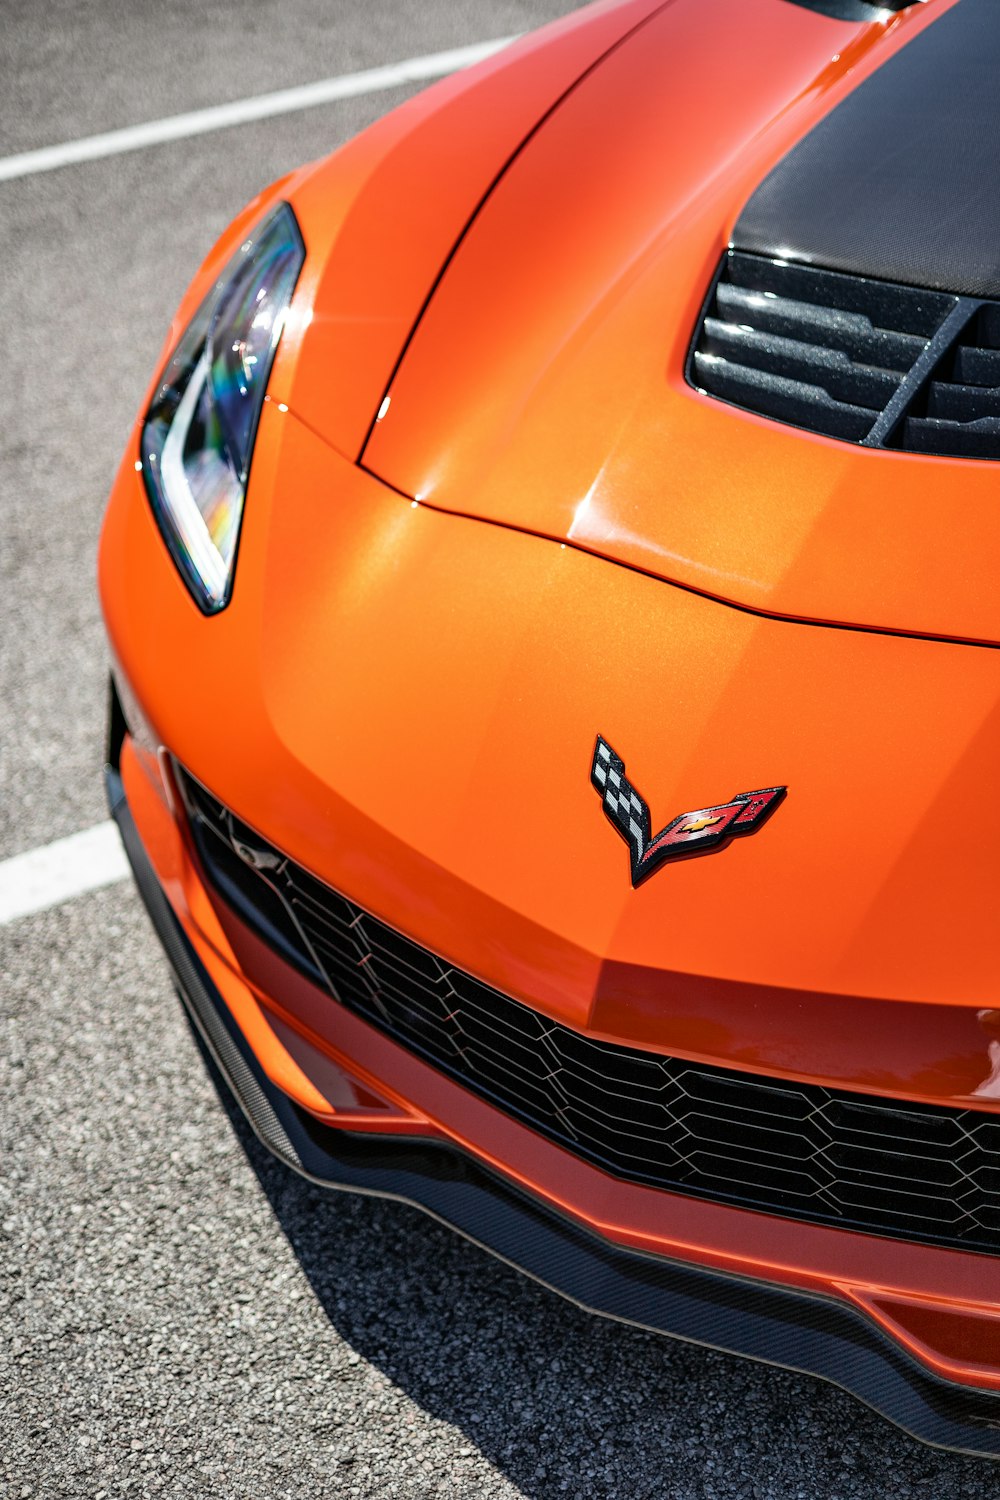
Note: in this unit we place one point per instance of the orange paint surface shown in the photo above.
(544, 387)
(404, 697)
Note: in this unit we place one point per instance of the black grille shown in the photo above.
(908, 1170)
(866, 361)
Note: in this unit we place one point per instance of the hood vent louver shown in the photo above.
(865, 361)
(853, 10)
(958, 410)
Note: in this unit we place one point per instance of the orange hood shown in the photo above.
(543, 386)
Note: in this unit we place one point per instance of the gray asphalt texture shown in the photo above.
(179, 1315)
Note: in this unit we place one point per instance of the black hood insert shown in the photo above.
(901, 181)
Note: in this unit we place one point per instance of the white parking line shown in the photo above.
(220, 116)
(55, 873)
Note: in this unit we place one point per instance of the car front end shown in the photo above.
(737, 1080)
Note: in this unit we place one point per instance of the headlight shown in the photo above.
(199, 431)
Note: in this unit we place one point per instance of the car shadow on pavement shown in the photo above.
(560, 1401)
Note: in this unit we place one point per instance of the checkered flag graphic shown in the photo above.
(707, 827)
(622, 802)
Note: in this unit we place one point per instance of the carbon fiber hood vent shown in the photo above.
(853, 10)
(866, 361)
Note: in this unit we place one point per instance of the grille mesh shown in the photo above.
(909, 1170)
(865, 361)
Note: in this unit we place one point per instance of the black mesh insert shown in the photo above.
(909, 1170)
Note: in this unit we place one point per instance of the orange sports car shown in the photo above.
(555, 718)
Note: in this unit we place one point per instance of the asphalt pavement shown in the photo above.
(179, 1315)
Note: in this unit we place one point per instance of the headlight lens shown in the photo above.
(198, 436)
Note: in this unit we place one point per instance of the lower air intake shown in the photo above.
(887, 1167)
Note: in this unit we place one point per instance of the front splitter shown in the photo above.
(800, 1332)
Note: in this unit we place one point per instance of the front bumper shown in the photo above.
(779, 1324)
(400, 760)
